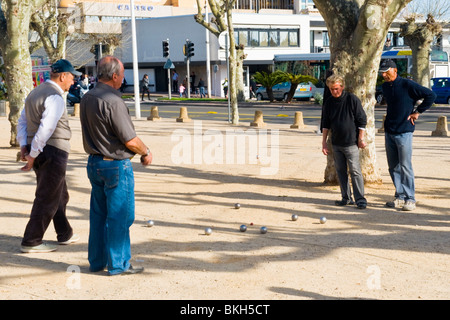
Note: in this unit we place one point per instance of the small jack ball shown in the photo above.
(237, 205)
(323, 220)
(263, 230)
(243, 228)
(208, 231)
(294, 217)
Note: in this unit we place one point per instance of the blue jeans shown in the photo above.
(111, 214)
(346, 159)
(399, 158)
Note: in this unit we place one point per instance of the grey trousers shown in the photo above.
(346, 160)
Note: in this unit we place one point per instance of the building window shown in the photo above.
(326, 39)
(254, 38)
(293, 39)
(273, 39)
(263, 38)
(243, 38)
(267, 37)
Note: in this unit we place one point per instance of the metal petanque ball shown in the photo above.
(294, 217)
(208, 231)
(263, 230)
(150, 223)
(243, 228)
(237, 205)
(323, 220)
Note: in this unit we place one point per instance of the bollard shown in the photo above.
(258, 121)
(441, 127)
(381, 130)
(76, 110)
(4, 108)
(154, 114)
(183, 115)
(298, 121)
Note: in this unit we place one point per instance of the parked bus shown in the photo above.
(316, 64)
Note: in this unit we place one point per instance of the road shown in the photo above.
(273, 112)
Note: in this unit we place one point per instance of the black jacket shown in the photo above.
(401, 96)
(344, 116)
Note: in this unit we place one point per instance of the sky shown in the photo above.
(434, 6)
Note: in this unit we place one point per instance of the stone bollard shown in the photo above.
(183, 115)
(381, 130)
(154, 114)
(258, 121)
(441, 128)
(298, 121)
(4, 108)
(76, 110)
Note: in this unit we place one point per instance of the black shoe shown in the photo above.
(343, 202)
(361, 205)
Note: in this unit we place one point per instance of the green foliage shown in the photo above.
(296, 79)
(268, 80)
(318, 98)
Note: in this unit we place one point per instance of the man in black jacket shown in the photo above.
(401, 96)
(344, 116)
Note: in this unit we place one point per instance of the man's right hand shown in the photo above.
(146, 160)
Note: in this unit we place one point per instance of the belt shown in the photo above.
(108, 158)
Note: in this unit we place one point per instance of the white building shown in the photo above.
(262, 34)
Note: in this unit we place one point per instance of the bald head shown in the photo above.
(110, 71)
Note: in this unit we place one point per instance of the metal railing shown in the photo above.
(257, 5)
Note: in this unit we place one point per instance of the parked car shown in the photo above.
(441, 87)
(281, 90)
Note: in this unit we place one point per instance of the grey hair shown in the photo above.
(335, 78)
(107, 66)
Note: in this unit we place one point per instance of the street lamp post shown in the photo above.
(135, 63)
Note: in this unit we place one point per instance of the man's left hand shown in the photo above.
(413, 117)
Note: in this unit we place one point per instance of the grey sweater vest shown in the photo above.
(34, 107)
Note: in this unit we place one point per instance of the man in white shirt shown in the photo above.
(43, 133)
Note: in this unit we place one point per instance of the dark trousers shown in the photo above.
(346, 159)
(144, 91)
(51, 198)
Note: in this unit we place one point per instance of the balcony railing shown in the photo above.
(257, 5)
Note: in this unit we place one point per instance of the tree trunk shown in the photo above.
(357, 31)
(222, 12)
(240, 74)
(419, 37)
(234, 71)
(14, 26)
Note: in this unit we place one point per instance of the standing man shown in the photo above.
(401, 96)
(43, 133)
(201, 86)
(175, 81)
(344, 116)
(110, 140)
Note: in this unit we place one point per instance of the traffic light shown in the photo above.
(165, 45)
(189, 49)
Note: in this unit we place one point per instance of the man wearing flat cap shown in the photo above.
(43, 135)
(401, 96)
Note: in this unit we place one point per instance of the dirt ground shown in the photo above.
(377, 253)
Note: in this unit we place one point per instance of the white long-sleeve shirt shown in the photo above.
(54, 108)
